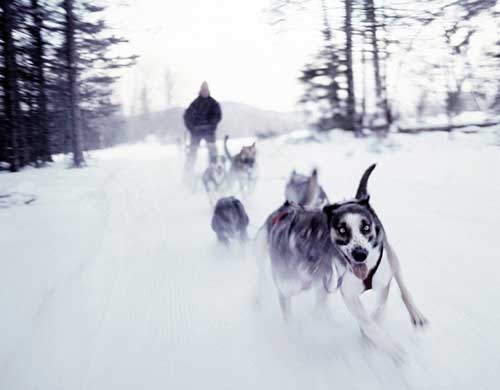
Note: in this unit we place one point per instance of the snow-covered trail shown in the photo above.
(112, 279)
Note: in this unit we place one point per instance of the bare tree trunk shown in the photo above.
(372, 28)
(351, 100)
(11, 93)
(386, 105)
(43, 136)
(363, 64)
(73, 93)
(381, 102)
(169, 86)
(145, 101)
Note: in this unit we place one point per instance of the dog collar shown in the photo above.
(369, 278)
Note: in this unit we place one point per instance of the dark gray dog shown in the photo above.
(297, 188)
(297, 240)
(230, 220)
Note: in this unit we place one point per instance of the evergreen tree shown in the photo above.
(351, 98)
(37, 50)
(322, 80)
(97, 71)
(10, 86)
(53, 95)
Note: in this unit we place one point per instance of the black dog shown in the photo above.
(230, 220)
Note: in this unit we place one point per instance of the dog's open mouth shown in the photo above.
(360, 270)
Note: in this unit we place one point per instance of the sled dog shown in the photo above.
(230, 220)
(243, 167)
(343, 246)
(214, 178)
(297, 186)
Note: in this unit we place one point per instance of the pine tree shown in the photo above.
(98, 71)
(351, 98)
(321, 79)
(73, 92)
(38, 60)
(10, 85)
(56, 79)
(90, 79)
(372, 31)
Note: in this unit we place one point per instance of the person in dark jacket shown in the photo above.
(201, 119)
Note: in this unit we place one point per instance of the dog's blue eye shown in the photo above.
(341, 230)
(366, 228)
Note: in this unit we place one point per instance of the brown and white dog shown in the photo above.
(243, 167)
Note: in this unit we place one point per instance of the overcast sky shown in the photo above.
(232, 45)
(229, 43)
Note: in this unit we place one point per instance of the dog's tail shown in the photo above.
(226, 149)
(312, 189)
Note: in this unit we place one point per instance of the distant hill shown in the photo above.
(238, 120)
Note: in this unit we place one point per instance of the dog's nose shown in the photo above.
(359, 254)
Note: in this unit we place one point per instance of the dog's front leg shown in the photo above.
(261, 254)
(383, 294)
(417, 318)
(369, 328)
(321, 296)
(285, 305)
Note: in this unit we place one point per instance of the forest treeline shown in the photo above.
(57, 69)
(352, 81)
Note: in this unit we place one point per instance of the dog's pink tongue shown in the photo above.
(360, 270)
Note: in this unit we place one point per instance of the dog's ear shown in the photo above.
(362, 192)
(364, 201)
(329, 209)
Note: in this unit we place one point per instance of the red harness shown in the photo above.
(279, 217)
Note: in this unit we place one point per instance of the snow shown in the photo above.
(111, 277)
(442, 120)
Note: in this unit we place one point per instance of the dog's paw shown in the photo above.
(418, 320)
(395, 352)
(366, 342)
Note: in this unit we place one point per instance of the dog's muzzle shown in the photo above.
(359, 254)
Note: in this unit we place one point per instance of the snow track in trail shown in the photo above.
(112, 278)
